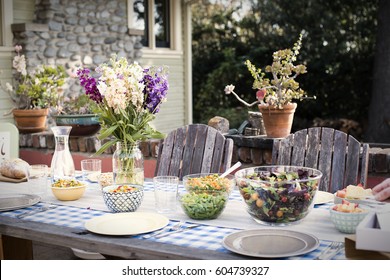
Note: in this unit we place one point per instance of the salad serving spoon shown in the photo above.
(231, 169)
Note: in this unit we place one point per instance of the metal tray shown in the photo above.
(17, 201)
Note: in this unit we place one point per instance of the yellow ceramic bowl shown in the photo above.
(70, 193)
(67, 193)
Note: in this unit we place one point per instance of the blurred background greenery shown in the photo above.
(338, 49)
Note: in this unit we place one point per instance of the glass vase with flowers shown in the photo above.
(127, 99)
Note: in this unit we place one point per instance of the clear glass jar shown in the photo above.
(128, 164)
(62, 165)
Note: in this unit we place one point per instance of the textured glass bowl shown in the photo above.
(278, 202)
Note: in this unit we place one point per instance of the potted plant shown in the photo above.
(275, 96)
(35, 92)
(77, 111)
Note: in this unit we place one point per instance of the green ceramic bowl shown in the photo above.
(347, 222)
(82, 125)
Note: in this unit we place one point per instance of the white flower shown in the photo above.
(37, 81)
(102, 87)
(229, 89)
(19, 63)
(9, 87)
(115, 95)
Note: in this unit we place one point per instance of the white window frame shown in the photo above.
(174, 25)
(6, 21)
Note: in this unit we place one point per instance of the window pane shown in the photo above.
(161, 26)
(140, 19)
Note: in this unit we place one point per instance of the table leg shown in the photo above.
(13, 248)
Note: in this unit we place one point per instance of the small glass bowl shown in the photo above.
(203, 205)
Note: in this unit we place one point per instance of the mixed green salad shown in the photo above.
(203, 206)
(278, 197)
(208, 182)
(206, 196)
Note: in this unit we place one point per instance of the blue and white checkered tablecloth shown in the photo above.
(207, 237)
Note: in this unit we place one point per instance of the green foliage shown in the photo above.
(339, 40)
(42, 88)
(75, 105)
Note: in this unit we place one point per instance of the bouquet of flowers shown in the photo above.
(127, 98)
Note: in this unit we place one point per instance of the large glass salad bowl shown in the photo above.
(278, 195)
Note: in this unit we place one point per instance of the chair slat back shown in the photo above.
(195, 148)
(325, 156)
(333, 152)
(299, 142)
(339, 163)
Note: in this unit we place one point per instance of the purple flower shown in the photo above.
(156, 88)
(89, 84)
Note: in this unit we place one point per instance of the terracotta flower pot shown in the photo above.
(30, 120)
(278, 122)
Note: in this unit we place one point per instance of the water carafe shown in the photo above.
(62, 165)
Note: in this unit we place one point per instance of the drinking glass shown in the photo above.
(91, 169)
(165, 192)
(38, 179)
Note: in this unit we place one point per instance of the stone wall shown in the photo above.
(74, 33)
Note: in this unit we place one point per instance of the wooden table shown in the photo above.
(18, 234)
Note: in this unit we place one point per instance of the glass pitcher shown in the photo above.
(62, 165)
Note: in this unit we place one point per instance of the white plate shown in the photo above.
(17, 201)
(270, 243)
(370, 200)
(126, 223)
(323, 197)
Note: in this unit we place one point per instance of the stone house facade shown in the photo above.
(86, 33)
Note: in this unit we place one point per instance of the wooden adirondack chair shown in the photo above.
(340, 157)
(194, 148)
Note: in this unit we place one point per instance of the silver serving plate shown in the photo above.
(17, 201)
